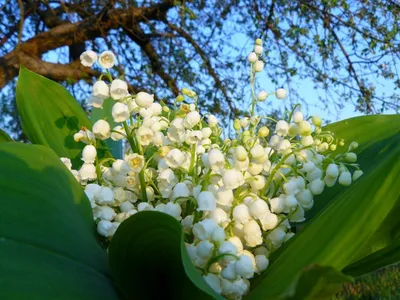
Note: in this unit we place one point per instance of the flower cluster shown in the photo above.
(237, 199)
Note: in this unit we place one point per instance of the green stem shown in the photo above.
(137, 149)
(98, 171)
(192, 159)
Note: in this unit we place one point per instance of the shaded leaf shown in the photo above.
(316, 282)
(50, 115)
(47, 238)
(335, 235)
(4, 137)
(148, 258)
(379, 259)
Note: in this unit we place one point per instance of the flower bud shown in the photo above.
(259, 42)
(258, 66)
(332, 171)
(345, 178)
(144, 100)
(262, 263)
(298, 117)
(353, 146)
(252, 234)
(357, 174)
(252, 58)
(258, 49)
(263, 131)
(241, 153)
(262, 95)
(280, 93)
(244, 122)
(316, 186)
(317, 121)
(180, 98)
(351, 157)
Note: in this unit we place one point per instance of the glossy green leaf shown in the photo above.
(365, 130)
(382, 258)
(148, 260)
(316, 282)
(335, 235)
(48, 246)
(50, 115)
(4, 137)
(105, 114)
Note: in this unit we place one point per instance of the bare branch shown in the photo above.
(207, 63)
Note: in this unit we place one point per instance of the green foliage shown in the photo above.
(47, 239)
(335, 235)
(51, 116)
(148, 255)
(4, 137)
(316, 282)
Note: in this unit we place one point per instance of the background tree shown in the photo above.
(346, 47)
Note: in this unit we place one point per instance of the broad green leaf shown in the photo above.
(316, 282)
(50, 115)
(4, 137)
(105, 114)
(148, 260)
(335, 235)
(365, 130)
(48, 246)
(382, 258)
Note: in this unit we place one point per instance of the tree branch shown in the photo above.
(69, 34)
(207, 63)
(140, 38)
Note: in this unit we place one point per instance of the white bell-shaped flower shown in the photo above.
(89, 154)
(88, 58)
(203, 229)
(120, 112)
(107, 228)
(100, 90)
(206, 201)
(173, 209)
(144, 100)
(88, 172)
(252, 234)
(241, 214)
(118, 89)
(107, 60)
(101, 129)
